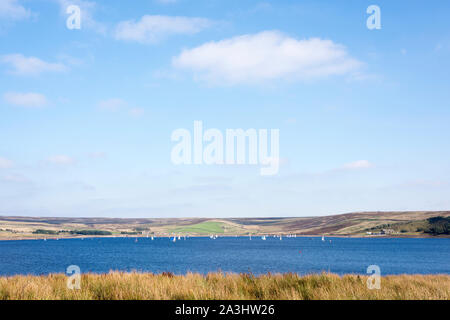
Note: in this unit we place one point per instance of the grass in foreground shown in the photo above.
(118, 286)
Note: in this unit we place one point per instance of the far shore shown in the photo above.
(396, 236)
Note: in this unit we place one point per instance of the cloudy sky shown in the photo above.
(86, 116)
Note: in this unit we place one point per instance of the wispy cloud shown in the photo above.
(117, 104)
(21, 65)
(15, 178)
(136, 112)
(5, 163)
(152, 29)
(264, 56)
(61, 160)
(12, 10)
(360, 164)
(29, 99)
(113, 104)
(97, 155)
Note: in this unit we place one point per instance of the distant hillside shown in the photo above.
(434, 226)
(351, 224)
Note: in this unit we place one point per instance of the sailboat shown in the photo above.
(281, 237)
(153, 238)
(263, 237)
(323, 238)
(174, 239)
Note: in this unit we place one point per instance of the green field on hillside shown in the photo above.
(209, 227)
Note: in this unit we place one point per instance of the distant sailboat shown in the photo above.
(174, 239)
(281, 237)
(263, 237)
(153, 238)
(323, 238)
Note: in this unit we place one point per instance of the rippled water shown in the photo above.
(301, 255)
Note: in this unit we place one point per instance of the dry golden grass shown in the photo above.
(137, 286)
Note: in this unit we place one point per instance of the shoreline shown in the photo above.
(220, 272)
(233, 236)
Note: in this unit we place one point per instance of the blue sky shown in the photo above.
(86, 115)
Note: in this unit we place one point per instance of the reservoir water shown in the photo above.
(302, 255)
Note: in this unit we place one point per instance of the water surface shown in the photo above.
(301, 255)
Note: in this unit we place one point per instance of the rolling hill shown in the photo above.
(408, 223)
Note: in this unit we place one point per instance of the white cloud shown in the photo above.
(97, 155)
(360, 164)
(136, 112)
(291, 121)
(12, 10)
(17, 178)
(116, 104)
(112, 104)
(22, 65)
(267, 55)
(151, 29)
(5, 163)
(61, 160)
(29, 100)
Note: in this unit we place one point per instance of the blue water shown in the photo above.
(301, 255)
